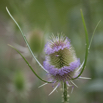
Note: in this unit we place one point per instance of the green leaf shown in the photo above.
(29, 65)
(25, 40)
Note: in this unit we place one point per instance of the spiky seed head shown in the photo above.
(61, 61)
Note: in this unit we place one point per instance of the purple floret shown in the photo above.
(61, 71)
(52, 48)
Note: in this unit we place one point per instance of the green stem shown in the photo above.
(65, 99)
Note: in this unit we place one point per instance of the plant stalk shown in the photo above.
(65, 93)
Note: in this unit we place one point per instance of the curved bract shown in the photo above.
(29, 65)
(88, 45)
(28, 48)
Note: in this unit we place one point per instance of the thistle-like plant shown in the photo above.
(61, 63)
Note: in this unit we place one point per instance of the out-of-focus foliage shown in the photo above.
(50, 16)
(36, 41)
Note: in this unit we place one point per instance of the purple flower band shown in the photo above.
(64, 70)
(52, 48)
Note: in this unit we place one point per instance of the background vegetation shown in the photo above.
(44, 17)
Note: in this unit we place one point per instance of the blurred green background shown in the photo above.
(38, 20)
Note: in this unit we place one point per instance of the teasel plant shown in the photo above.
(61, 63)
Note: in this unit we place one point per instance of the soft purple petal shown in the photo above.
(61, 71)
(49, 48)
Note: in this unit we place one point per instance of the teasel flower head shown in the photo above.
(61, 61)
